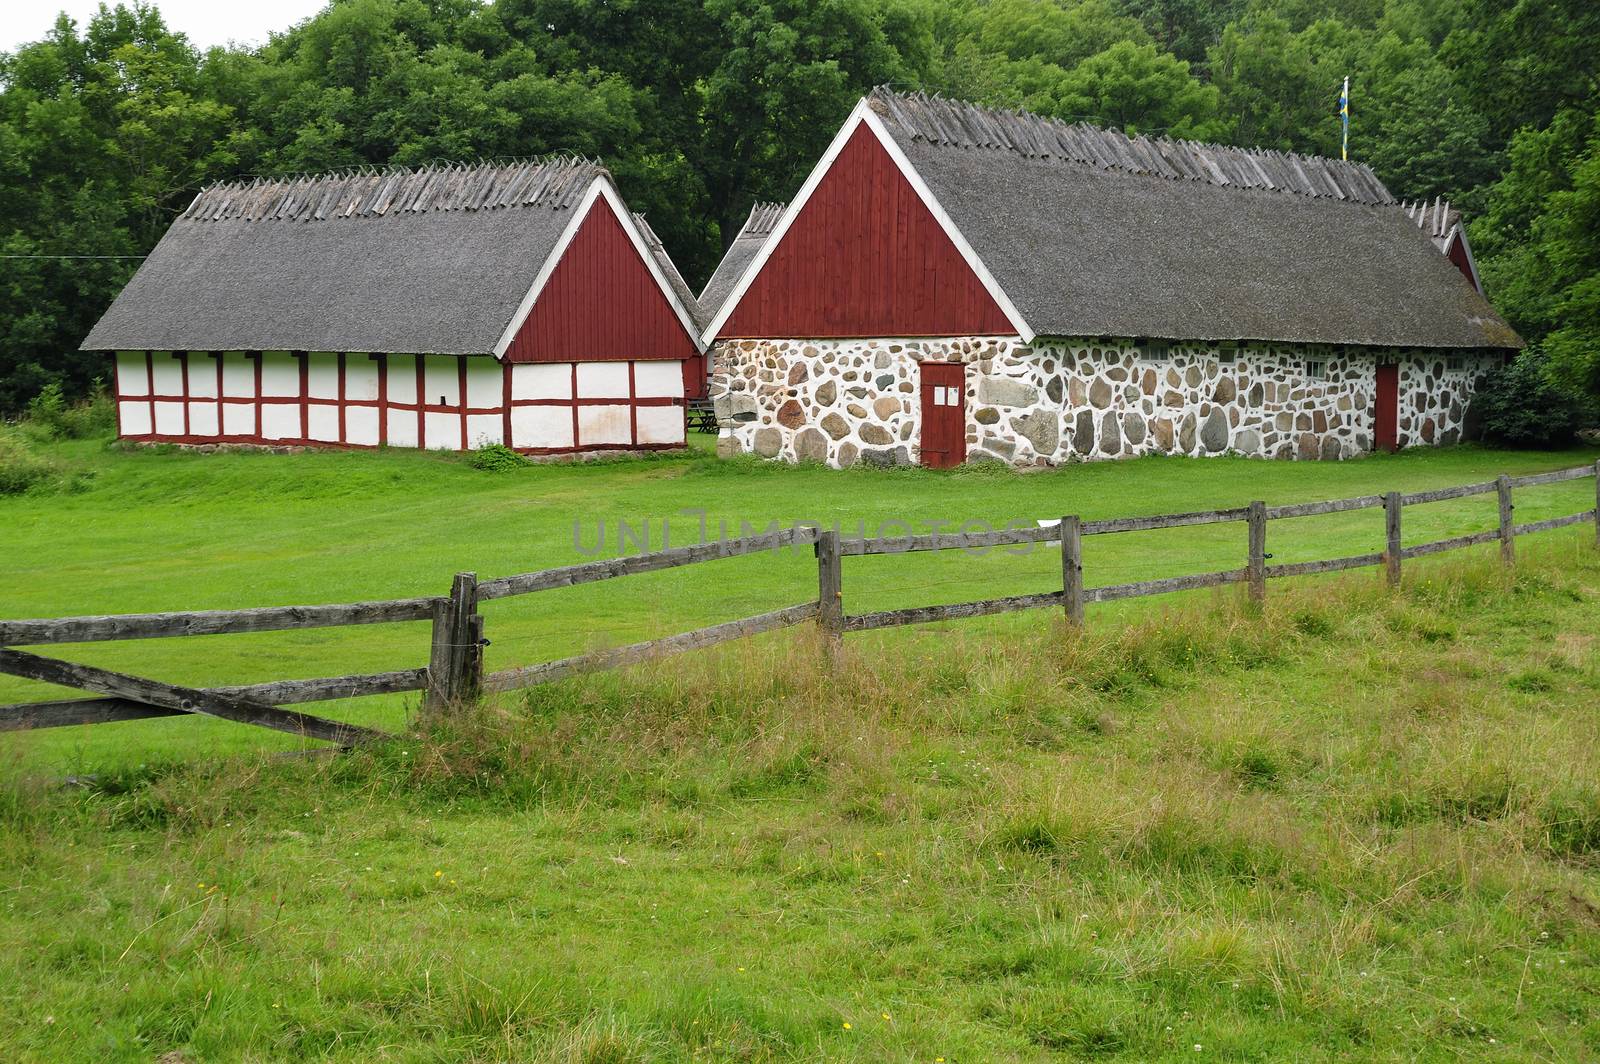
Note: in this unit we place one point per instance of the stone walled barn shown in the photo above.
(954, 283)
(444, 308)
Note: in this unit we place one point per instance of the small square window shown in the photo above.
(1155, 350)
(1227, 352)
(1456, 362)
(1316, 369)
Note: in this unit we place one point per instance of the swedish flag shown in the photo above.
(1344, 119)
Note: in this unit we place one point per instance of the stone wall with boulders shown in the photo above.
(848, 401)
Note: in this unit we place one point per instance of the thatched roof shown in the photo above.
(435, 260)
(750, 240)
(1093, 233)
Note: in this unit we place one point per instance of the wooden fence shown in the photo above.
(454, 672)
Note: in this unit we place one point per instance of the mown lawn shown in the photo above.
(153, 530)
(1361, 825)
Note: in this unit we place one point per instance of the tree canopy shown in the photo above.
(700, 107)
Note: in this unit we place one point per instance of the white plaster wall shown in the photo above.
(238, 419)
(602, 380)
(322, 423)
(203, 417)
(402, 428)
(541, 380)
(361, 378)
(603, 425)
(202, 375)
(443, 431)
(661, 425)
(441, 382)
(135, 417)
(484, 430)
(167, 370)
(361, 425)
(322, 375)
(280, 421)
(402, 383)
(280, 374)
(132, 377)
(485, 382)
(238, 375)
(658, 379)
(541, 426)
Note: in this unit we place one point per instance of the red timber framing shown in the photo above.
(348, 400)
(863, 255)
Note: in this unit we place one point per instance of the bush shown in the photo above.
(496, 458)
(20, 468)
(50, 417)
(1522, 407)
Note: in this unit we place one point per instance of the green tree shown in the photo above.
(1138, 89)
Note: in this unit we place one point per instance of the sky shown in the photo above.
(206, 22)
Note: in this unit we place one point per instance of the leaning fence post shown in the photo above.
(1071, 529)
(1391, 528)
(830, 588)
(440, 656)
(1508, 542)
(1257, 567)
(1597, 504)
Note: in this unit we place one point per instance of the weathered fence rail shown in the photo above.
(454, 672)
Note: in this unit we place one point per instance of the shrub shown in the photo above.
(1522, 407)
(496, 458)
(20, 468)
(51, 417)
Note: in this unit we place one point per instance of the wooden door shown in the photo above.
(1386, 417)
(944, 414)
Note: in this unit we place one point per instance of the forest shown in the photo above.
(701, 107)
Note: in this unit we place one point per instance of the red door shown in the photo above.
(944, 414)
(1386, 418)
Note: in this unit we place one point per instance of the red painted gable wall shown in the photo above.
(600, 302)
(1457, 254)
(865, 257)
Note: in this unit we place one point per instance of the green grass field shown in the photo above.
(1358, 825)
(166, 531)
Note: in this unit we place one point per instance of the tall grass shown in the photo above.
(1350, 823)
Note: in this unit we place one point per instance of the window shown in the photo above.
(946, 396)
(1227, 352)
(1155, 350)
(1456, 362)
(1316, 369)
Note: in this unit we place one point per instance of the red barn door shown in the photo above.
(1386, 418)
(944, 414)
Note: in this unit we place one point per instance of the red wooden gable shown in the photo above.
(865, 257)
(1457, 254)
(601, 302)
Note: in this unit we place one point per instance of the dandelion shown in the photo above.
(741, 967)
(847, 1025)
(437, 873)
(886, 1015)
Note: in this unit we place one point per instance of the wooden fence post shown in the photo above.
(830, 588)
(1257, 567)
(1071, 529)
(1597, 504)
(455, 659)
(1508, 542)
(1391, 528)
